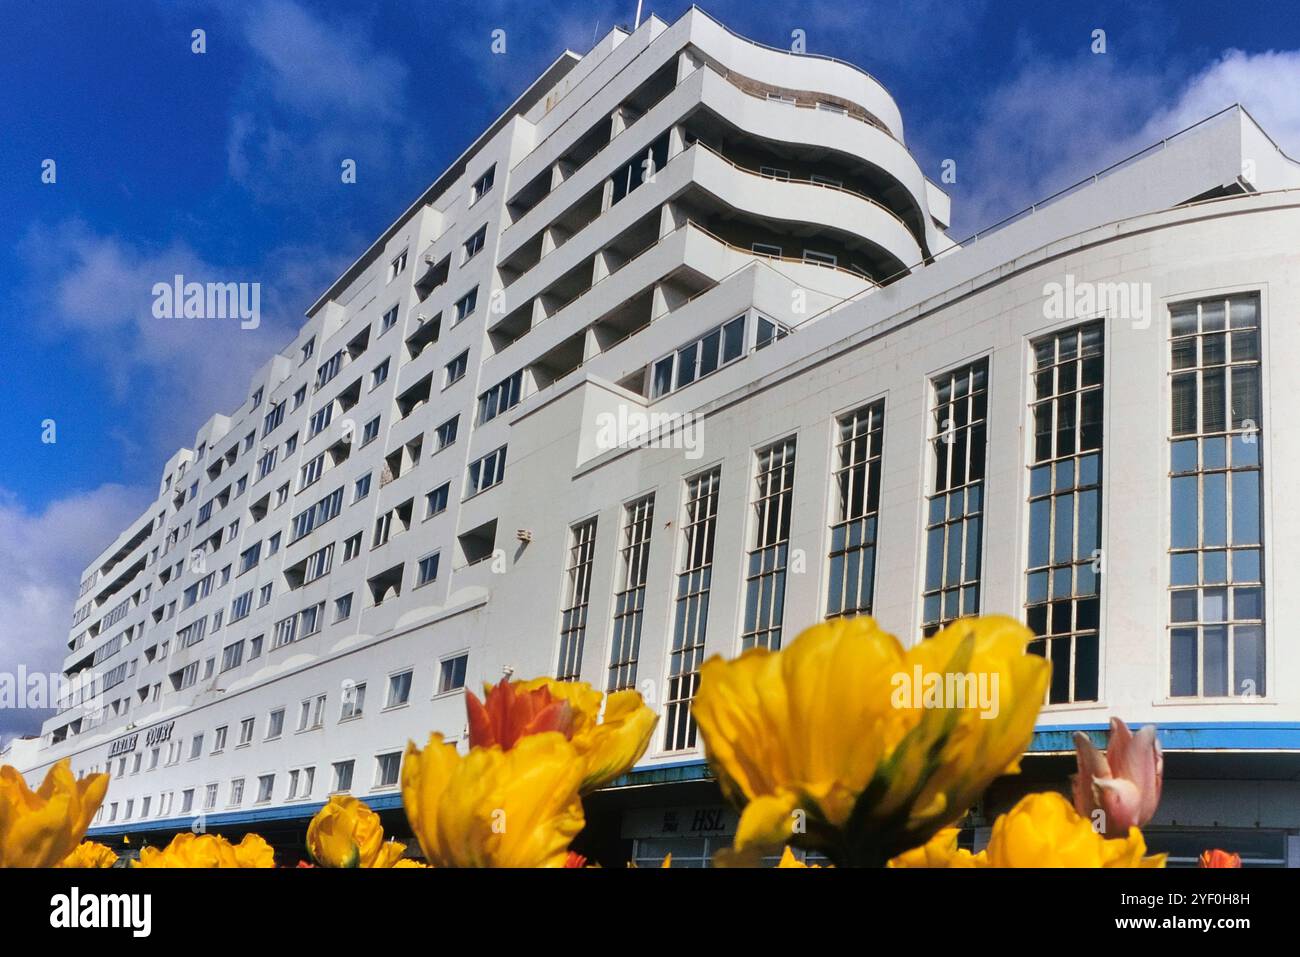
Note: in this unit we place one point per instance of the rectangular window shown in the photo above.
(486, 472)
(379, 374)
(318, 564)
(343, 607)
(456, 368)
(370, 431)
(768, 332)
(265, 786)
(474, 245)
(500, 398)
(629, 595)
(397, 265)
(319, 420)
(1216, 577)
(388, 321)
(246, 731)
(436, 501)
(232, 656)
(267, 462)
(769, 546)
(388, 768)
(1062, 583)
(427, 570)
(361, 488)
(399, 689)
(691, 612)
(955, 505)
(699, 358)
(343, 776)
(273, 418)
(577, 593)
(352, 547)
(483, 185)
(353, 701)
(249, 558)
(856, 480)
(311, 472)
(275, 724)
(241, 607)
(445, 434)
(451, 673)
(328, 369)
(465, 305)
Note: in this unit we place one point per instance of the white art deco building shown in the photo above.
(1077, 418)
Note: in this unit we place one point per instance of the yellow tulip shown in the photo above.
(41, 828)
(940, 851)
(1042, 830)
(494, 807)
(828, 746)
(346, 833)
(789, 860)
(89, 854)
(209, 850)
(608, 745)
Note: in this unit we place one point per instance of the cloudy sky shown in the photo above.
(225, 165)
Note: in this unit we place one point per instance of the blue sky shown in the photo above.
(225, 166)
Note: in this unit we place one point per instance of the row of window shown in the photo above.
(311, 716)
(1216, 605)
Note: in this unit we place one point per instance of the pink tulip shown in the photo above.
(1124, 782)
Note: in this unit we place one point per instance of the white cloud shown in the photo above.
(96, 292)
(1057, 122)
(42, 555)
(1264, 83)
(317, 92)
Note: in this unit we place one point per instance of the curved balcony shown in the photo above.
(797, 70)
(809, 208)
(842, 134)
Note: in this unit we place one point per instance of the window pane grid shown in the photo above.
(954, 520)
(629, 598)
(691, 613)
(573, 619)
(1216, 596)
(765, 572)
(853, 536)
(1063, 567)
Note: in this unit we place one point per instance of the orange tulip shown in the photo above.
(1218, 858)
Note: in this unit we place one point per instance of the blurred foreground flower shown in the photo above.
(347, 833)
(209, 850)
(1218, 858)
(513, 710)
(940, 851)
(1124, 783)
(40, 828)
(789, 860)
(494, 807)
(829, 746)
(89, 854)
(1042, 830)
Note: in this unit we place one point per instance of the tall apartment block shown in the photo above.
(1075, 419)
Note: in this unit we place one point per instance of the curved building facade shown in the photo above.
(678, 359)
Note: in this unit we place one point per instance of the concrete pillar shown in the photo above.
(688, 61)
